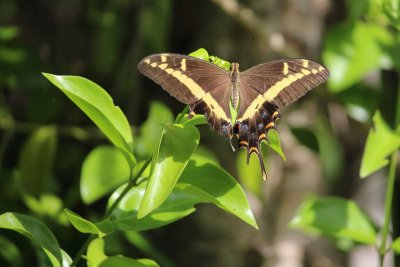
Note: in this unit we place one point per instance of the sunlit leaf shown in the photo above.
(103, 170)
(121, 261)
(334, 217)
(201, 182)
(36, 160)
(176, 147)
(396, 245)
(381, 142)
(346, 48)
(95, 253)
(200, 53)
(151, 130)
(275, 143)
(218, 187)
(87, 227)
(249, 174)
(36, 231)
(99, 107)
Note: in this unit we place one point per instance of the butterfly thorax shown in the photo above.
(235, 85)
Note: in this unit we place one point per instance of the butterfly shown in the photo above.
(255, 94)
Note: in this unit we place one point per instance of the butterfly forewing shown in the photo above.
(205, 87)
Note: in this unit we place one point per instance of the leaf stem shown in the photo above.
(390, 188)
(131, 183)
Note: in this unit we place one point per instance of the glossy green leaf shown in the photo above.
(66, 259)
(36, 160)
(334, 217)
(200, 53)
(219, 187)
(99, 107)
(84, 226)
(275, 143)
(96, 257)
(103, 170)
(220, 63)
(175, 149)
(381, 142)
(95, 253)
(396, 245)
(121, 261)
(151, 130)
(124, 218)
(249, 174)
(201, 182)
(36, 231)
(195, 120)
(346, 48)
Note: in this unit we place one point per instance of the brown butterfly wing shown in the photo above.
(267, 87)
(203, 86)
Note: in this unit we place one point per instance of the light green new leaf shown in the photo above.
(36, 160)
(84, 226)
(218, 187)
(174, 151)
(103, 170)
(121, 261)
(95, 253)
(36, 231)
(396, 245)
(249, 174)
(381, 142)
(178, 205)
(200, 53)
(346, 48)
(275, 143)
(334, 217)
(151, 130)
(99, 107)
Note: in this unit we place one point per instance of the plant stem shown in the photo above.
(128, 187)
(390, 188)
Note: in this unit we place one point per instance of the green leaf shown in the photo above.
(215, 185)
(275, 143)
(36, 160)
(346, 48)
(151, 130)
(46, 205)
(396, 245)
(201, 182)
(176, 147)
(121, 261)
(95, 253)
(195, 120)
(334, 217)
(381, 142)
(221, 63)
(103, 170)
(99, 107)
(84, 226)
(10, 252)
(96, 257)
(36, 231)
(249, 174)
(178, 205)
(200, 53)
